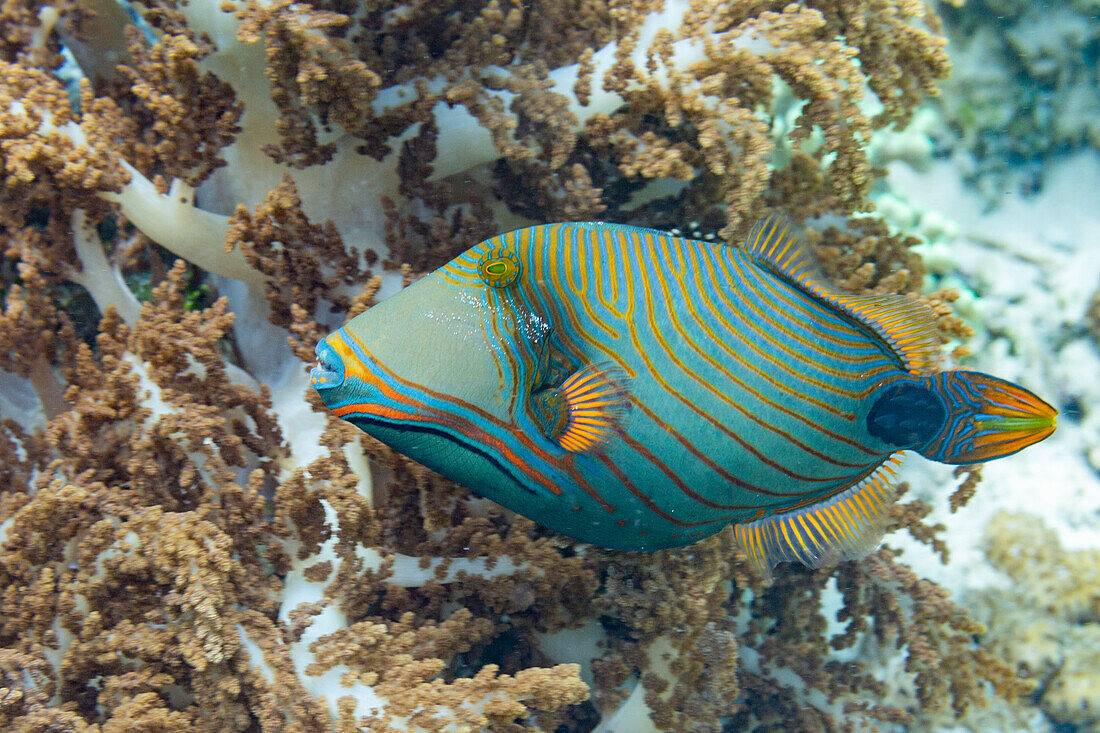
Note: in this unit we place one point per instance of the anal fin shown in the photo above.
(846, 526)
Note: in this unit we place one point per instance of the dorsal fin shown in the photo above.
(905, 323)
(775, 241)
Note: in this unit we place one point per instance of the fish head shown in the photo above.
(439, 370)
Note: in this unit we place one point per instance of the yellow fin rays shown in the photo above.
(595, 398)
(844, 527)
(905, 323)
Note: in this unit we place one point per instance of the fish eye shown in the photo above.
(498, 267)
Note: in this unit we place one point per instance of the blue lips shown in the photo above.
(329, 371)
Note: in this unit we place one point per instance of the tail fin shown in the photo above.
(986, 418)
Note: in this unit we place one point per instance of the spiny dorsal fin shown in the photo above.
(846, 526)
(775, 241)
(905, 323)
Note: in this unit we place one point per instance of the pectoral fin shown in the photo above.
(582, 414)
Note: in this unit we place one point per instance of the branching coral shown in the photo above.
(1048, 624)
(190, 542)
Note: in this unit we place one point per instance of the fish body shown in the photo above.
(638, 390)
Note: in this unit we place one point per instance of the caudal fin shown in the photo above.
(986, 418)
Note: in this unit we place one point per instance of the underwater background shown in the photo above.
(194, 194)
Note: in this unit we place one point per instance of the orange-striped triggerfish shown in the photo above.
(638, 390)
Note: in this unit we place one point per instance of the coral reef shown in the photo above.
(193, 193)
(1026, 272)
(1092, 316)
(1024, 87)
(1048, 623)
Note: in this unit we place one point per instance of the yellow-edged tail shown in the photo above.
(985, 418)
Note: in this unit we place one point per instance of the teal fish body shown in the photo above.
(638, 390)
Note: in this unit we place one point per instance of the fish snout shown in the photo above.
(329, 370)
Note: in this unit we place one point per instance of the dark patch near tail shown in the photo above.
(907, 416)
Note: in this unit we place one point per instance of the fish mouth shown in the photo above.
(329, 370)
